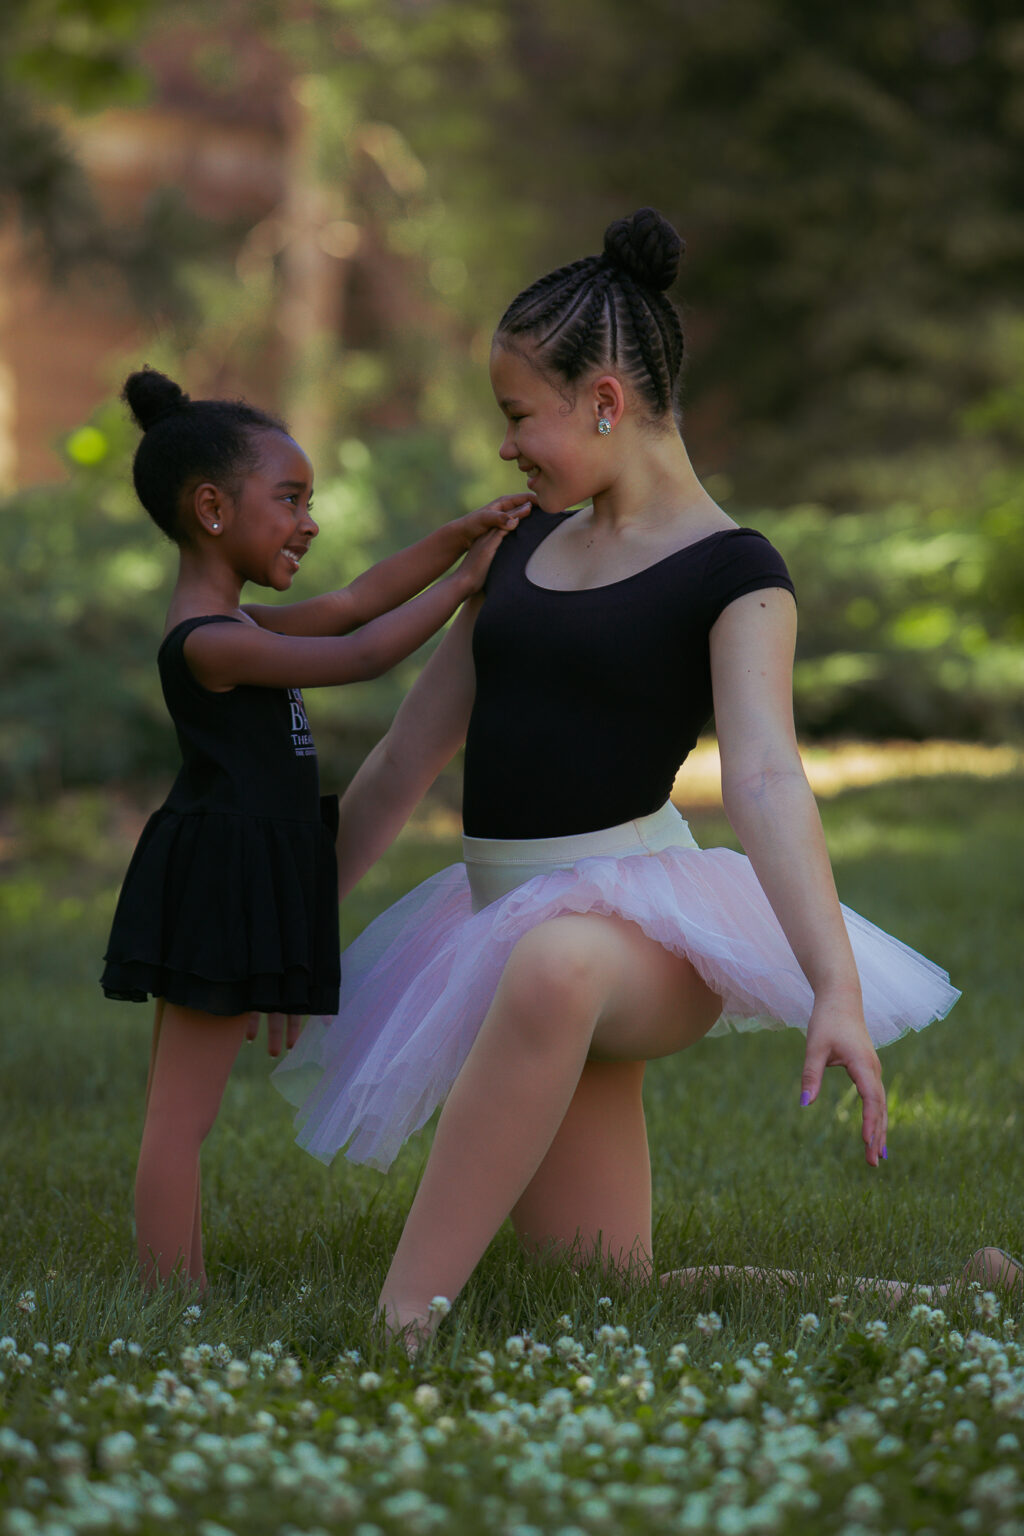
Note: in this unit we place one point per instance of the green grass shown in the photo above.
(297, 1253)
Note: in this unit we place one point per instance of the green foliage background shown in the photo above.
(850, 183)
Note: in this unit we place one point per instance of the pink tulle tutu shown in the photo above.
(418, 981)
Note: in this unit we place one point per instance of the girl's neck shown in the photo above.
(655, 489)
(203, 586)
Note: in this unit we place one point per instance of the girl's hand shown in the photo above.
(504, 514)
(472, 573)
(284, 1027)
(837, 1037)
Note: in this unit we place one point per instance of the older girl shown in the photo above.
(586, 932)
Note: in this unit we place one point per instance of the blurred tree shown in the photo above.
(81, 56)
(850, 183)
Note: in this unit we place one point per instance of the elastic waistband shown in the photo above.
(662, 829)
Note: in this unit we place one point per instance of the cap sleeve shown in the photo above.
(741, 562)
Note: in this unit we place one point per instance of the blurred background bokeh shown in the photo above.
(325, 206)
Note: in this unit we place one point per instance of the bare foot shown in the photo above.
(994, 1270)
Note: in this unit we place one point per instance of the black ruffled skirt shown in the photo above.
(229, 914)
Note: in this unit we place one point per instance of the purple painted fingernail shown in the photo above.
(805, 1098)
(885, 1153)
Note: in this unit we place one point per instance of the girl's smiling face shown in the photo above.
(553, 440)
(274, 528)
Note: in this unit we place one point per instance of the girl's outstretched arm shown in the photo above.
(394, 580)
(772, 810)
(225, 656)
(427, 731)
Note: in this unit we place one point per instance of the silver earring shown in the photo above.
(215, 526)
(603, 426)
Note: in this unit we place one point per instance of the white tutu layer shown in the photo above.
(417, 983)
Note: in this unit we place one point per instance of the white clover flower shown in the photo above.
(955, 1339)
(584, 1386)
(68, 1456)
(289, 1372)
(8, 1347)
(837, 1301)
(188, 1471)
(14, 1448)
(26, 1302)
(211, 1528)
(999, 1488)
(604, 1301)
(192, 1314)
(19, 1522)
(690, 1401)
(876, 1330)
(708, 1323)
(833, 1455)
(740, 1396)
(809, 1323)
(1007, 1445)
(963, 1432)
(62, 1352)
(236, 1374)
(863, 1503)
(22, 1362)
(913, 1361)
(115, 1347)
(41, 1348)
(987, 1306)
(440, 1305)
(678, 1356)
(515, 1347)
(427, 1398)
(116, 1451)
(889, 1445)
(369, 1381)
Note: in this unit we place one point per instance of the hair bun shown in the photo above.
(152, 396)
(646, 246)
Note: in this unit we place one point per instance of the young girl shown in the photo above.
(229, 906)
(586, 931)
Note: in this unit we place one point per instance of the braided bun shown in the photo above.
(152, 396)
(647, 247)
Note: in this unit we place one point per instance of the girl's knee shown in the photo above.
(555, 966)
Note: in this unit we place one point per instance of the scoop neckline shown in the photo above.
(621, 581)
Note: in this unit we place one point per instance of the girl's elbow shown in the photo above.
(761, 784)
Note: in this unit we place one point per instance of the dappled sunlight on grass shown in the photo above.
(835, 767)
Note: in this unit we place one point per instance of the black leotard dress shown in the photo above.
(230, 903)
(587, 702)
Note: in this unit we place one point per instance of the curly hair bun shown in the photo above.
(152, 396)
(647, 247)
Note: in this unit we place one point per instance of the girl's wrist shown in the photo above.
(839, 992)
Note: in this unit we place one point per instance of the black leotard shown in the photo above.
(587, 702)
(230, 903)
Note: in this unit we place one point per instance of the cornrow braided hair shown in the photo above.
(611, 310)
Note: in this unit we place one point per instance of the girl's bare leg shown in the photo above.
(573, 987)
(193, 1265)
(990, 1267)
(592, 1192)
(193, 1056)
